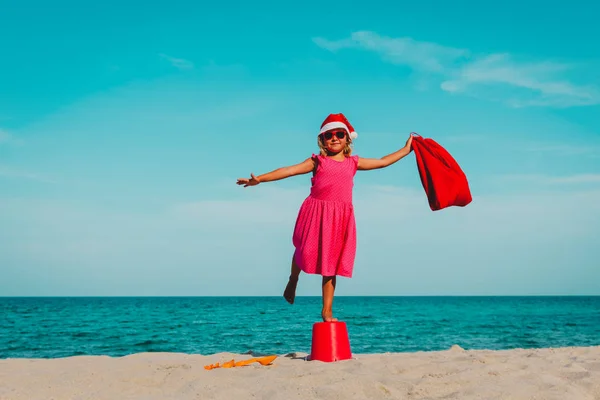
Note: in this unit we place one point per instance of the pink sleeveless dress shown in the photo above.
(325, 231)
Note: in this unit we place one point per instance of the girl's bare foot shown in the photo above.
(328, 316)
(290, 290)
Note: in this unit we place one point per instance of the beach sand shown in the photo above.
(563, 373)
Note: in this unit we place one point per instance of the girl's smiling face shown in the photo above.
(335, 140)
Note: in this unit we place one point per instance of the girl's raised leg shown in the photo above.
(328, 291)
(290, 290)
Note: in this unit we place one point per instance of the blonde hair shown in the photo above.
(347, 149)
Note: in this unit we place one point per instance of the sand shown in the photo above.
(562, 374)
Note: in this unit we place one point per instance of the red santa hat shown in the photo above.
(334, 121)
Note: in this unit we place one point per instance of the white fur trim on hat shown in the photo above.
(333, 125)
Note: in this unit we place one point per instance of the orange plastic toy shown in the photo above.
(231, 364)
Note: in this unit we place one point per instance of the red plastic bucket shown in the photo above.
(330, 342)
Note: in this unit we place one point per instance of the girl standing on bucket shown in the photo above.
(325, 231)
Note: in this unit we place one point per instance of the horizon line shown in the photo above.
(312, 296)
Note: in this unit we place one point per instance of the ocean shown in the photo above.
(60, 327)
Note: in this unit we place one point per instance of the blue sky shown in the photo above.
(124, 126)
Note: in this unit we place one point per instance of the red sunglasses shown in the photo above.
(328, 135)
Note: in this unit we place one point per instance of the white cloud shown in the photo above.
(5, 137)
(553, 180)
(563, 149)
(179, 63)
(9, 172)
(543, 79)
(9, 138)
(250, 211)
(581, 178)
(407, 51)
(497, 76)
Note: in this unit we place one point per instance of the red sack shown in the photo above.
(444, 182)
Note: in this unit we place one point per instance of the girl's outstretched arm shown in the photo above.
(304, 167)
(375, 163)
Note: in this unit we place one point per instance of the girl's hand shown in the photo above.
(408, 144)
(253, 181)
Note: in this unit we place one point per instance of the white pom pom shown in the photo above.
(353, 135)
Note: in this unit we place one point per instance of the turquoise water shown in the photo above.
(60, 327)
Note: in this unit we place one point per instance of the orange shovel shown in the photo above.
(230, 364)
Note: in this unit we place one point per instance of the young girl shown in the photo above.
(325, 231)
